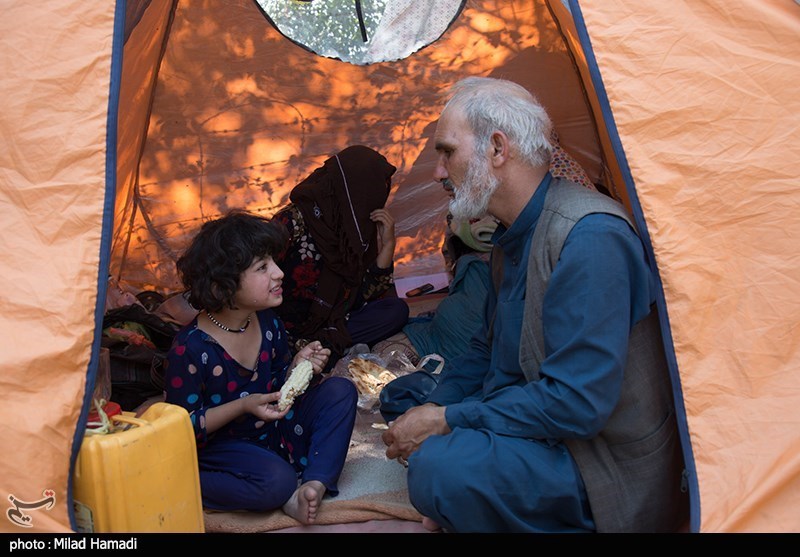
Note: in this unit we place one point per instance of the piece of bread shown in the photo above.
(296, 384)
(369, 377)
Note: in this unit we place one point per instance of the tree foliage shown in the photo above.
(331, 28)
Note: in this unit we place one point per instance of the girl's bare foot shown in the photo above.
(304, 502)
(430, 525)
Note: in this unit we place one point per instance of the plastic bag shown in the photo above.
(409, 390)
(369, 379)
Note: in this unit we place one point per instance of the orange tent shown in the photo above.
(127, 124)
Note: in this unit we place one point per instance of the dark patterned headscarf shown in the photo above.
(336, 201)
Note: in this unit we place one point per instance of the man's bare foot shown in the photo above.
(430, 525)
(304, 502)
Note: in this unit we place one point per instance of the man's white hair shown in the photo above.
(491, 105)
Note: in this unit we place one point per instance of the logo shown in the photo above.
(16, 513)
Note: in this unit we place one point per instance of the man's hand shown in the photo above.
(407, 432)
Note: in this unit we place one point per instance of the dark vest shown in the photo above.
(633, 469)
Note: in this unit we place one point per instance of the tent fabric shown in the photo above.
(56, 86)
(705, 117)
(234, 123)
(122, 135)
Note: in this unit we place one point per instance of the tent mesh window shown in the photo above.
(362, 31)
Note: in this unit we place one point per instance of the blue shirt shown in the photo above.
(599, 289)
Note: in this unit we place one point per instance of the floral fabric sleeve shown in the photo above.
(376, 282)
(301, 264)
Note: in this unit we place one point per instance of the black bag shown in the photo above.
(137, 372)
(407, 391)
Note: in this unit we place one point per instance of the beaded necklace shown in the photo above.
(228, 329)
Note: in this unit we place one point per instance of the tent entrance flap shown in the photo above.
(219, 107)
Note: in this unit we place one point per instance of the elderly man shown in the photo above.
(560, 416)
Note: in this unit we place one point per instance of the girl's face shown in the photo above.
(260, 285)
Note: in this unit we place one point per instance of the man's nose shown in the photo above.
(439, 172)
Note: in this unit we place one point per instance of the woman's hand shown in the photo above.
(314, 353)
(386, 237)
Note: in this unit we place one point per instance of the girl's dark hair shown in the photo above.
(222, 250)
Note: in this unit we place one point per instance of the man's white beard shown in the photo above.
(471, 198)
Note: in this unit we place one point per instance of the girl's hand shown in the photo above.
(314, 353)
(263, 406)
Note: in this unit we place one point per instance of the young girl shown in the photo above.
(227, 366)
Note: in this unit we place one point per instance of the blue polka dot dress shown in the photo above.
(201, 375)
(251, 464)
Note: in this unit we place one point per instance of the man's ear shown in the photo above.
(499, 148)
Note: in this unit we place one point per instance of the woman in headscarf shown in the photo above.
(339, 260)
